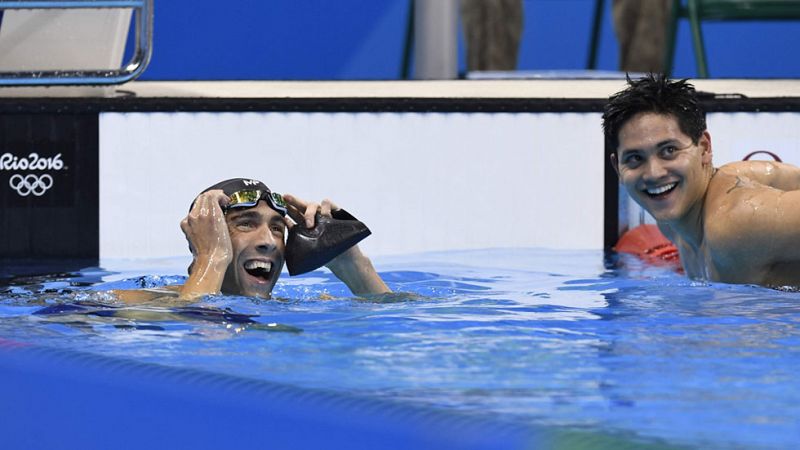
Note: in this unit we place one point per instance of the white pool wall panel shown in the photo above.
(421, 181)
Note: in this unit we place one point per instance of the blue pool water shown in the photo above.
(552, 338)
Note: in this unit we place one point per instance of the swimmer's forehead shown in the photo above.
(666, 142)
(640, 131)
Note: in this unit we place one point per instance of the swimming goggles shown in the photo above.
(248, 198)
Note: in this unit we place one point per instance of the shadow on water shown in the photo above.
(26, 271)
(142, 318)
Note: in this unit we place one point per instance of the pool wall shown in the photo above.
(421, 181)
(427, 165)
(462, 173)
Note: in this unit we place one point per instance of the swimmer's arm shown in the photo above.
(205, 279)
(201, 282)
(134, 296)
(785, 177)
(209, 239)
(356, 271)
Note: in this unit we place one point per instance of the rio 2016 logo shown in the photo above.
(31, 184)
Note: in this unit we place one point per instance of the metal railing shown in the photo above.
(143, 10)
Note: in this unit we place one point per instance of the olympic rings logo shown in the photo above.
(31, 184)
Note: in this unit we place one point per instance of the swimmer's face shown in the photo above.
(662, 169)
(258, 247)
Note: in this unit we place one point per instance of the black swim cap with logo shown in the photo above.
(246, 193)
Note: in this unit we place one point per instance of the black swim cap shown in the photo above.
(236, 185)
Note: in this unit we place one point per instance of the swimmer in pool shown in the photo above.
(739, 223)
(237, 232)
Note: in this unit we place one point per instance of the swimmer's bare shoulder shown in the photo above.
(751, 225)
(782, 176)
(737, 210)
(726, 221)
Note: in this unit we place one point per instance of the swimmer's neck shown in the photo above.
(689, 230)
(688, 235)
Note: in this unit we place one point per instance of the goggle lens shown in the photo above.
(278, 201)
(250, 198)
(244, 199)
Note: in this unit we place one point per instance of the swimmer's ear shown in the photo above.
(613, 159)
(705, 144)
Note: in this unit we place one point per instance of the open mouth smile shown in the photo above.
(660, 191)
(259, 269)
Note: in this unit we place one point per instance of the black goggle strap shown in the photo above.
(249, 198)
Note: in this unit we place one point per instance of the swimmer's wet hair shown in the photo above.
(658, 94)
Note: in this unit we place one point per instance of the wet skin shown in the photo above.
(257, 244)
(241, 252)
(740, 224)
(667, 175)
(662, 169)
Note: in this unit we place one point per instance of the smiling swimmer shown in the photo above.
(236, 231)
(739, 223)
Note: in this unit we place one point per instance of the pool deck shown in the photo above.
(495, 89)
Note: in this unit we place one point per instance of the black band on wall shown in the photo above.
(610, 203)
(49, 186)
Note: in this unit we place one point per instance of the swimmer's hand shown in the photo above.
(352, 267)
(207, 232)
(303, 212)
